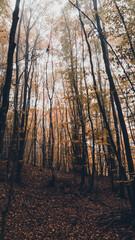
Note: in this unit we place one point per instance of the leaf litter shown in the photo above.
(39, 212)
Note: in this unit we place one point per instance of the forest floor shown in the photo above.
(64, 212)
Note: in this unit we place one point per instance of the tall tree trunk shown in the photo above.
(6, 89)
(29, 69)
(13, 149)
(51, 132)
(122, 192)
(79, 108)
(117, 101)
(92, 128)
(102, 109)
(115, 94)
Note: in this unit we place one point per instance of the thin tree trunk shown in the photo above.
(44, 136)
(80, 110)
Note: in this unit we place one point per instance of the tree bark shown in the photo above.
(6, 89)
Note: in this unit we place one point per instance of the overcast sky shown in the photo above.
(56, 5)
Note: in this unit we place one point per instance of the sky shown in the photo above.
(56, 5)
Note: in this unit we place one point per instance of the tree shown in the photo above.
(51, 132)
(6, 88)
(116, 98)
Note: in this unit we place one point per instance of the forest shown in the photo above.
(67, 119)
